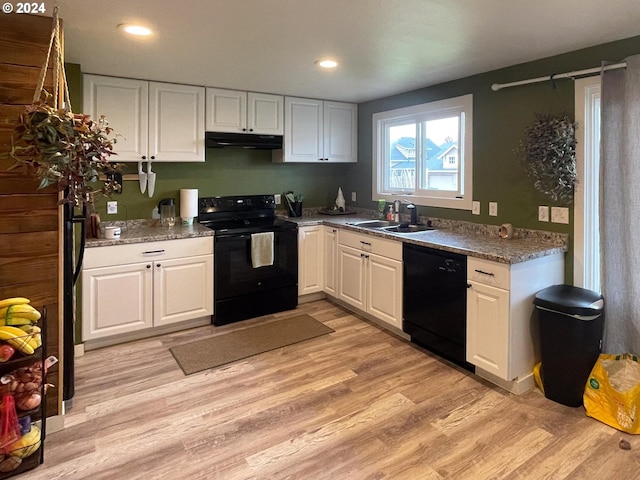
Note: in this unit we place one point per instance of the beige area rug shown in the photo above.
(226, 348)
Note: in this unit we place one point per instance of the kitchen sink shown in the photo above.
(375, 224)
(392, 227)
(407, 228)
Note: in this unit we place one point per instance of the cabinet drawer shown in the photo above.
(489, 273)
(141, 252)
(373, 244)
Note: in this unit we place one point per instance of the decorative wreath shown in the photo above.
(548, 153)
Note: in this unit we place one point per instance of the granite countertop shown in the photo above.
(471, 239)
(480, 241)
(138, 231)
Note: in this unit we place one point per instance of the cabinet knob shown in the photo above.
(144, 157)
(251, 129)
(244, 129)
(158, 265)
(153, 157)
(148, 266)
(469, 285)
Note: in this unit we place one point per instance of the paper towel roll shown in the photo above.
(188, 205)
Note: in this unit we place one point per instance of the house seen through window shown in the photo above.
(424, 152)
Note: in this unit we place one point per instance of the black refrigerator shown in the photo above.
(72, 265)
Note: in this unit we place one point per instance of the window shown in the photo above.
(425, 152)
(586, 245)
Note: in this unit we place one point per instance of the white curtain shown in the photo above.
(620, 207)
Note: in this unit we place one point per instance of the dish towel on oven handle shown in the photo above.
(262, 249)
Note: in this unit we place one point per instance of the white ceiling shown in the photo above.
(383, 46)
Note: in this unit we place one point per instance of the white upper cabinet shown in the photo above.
(124, 103)
(160, 122)
(244, 112)
(176, 122)
(318, 131)
(340, 132)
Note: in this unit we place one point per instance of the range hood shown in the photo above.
(243, 140)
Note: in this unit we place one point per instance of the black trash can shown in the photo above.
(571, 322)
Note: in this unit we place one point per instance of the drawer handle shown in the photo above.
(365, 243)
(153, 252)
(486, 273)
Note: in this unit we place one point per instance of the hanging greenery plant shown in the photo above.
(67, 149)
(548, 154)
(59, 147)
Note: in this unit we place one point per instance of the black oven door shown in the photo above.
(241, 291)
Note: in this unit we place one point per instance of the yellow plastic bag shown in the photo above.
(612, 393)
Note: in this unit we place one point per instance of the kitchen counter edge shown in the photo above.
(488, 247)
(140, 232)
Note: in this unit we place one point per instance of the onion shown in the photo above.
(28, 402)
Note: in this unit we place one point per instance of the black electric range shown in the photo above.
(243, 289)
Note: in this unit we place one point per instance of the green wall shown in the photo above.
(499, 121)
(229, 171)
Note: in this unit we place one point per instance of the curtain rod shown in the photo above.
(590, 71)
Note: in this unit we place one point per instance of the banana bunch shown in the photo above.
(27, 444)
(17, 311)
(19, 339)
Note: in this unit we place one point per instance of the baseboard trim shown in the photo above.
(150, 332)
(371, 318)
(517, 386)
(55, 423)
(311, 297)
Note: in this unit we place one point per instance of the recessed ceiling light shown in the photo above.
(135, 29)
(327, 63)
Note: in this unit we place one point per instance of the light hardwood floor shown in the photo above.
(359, 403)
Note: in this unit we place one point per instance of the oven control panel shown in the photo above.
(236, 203)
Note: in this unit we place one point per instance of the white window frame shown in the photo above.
(586, 244)
(421, 113)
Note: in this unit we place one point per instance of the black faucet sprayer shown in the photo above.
(413, 211)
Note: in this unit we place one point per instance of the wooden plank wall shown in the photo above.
(30, 225)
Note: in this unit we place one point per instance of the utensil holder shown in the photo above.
(295, 209)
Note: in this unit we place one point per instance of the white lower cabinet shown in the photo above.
(133, 287)
(370, 276)
(330, 259)
(310, 262)
(502, 331)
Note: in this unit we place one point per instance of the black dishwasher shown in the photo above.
(435, 301)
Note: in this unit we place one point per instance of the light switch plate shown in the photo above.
(353, 196)
(277, 198)
(475, 209)
(112, 207)
(559, 214)
(543, 213)
(493, 209)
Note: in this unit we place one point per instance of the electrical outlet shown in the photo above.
(493, 209)
(475, 209)
(353, 196)
(543, 213)
(277, 198)
(112, 207)
(559, 214)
